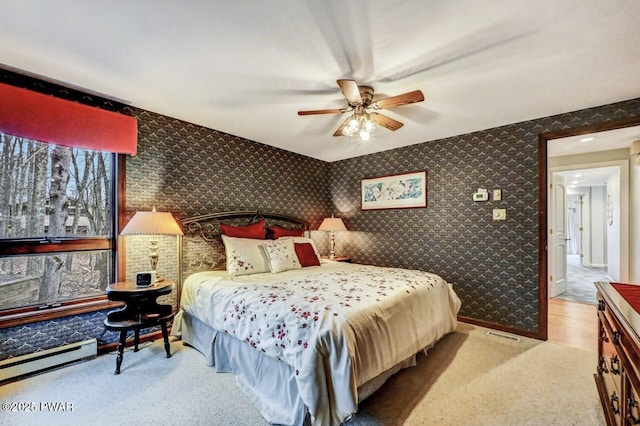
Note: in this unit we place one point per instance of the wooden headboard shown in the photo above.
(201, 246)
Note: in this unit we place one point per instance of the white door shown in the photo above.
(558, 233)
(579, 234)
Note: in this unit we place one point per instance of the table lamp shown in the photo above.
(152, 223)
(332, 224)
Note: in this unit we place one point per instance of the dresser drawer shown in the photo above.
(618, 370)
(610, 370)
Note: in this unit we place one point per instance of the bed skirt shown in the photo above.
(269, 384)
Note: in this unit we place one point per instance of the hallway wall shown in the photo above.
(598, 227)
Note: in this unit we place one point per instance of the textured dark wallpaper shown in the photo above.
(190, 170)
(493, 265)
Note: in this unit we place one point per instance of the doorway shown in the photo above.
(588, 253)
(566, 150)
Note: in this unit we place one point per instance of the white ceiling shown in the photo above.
(247, 67)
(584, 178)
(600, 141)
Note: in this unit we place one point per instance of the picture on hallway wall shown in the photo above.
(408, 190)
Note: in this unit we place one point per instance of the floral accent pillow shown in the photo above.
(282, 255)
(245, 256)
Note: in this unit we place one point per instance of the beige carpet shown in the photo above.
(469, 378)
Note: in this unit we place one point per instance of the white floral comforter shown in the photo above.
(338, 325)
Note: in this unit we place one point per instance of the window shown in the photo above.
(57, 220)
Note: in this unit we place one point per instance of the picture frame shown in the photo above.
(400, 191)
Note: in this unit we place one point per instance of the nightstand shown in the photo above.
(141, 311)
(339, 258)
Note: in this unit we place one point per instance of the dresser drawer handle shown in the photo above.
(601, 305)
(631, 404)
(602, 365)
(615, 403)
(616, 337)
(615, 364)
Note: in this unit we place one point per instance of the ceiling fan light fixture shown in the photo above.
(361, 124)
(352, 127)
(360, 102)
(368, 125)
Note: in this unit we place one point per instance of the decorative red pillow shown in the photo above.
(254, 230)
(277, 232)
(306, 254)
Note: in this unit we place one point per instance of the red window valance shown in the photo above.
(49, 119)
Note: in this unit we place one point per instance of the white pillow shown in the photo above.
(305, 240)
(281, 254)
(245, 256)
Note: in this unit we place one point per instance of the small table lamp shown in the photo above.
(152, 223)
(332, 224)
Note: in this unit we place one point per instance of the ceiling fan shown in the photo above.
(363, 119)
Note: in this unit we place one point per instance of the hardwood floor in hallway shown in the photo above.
(573, 324)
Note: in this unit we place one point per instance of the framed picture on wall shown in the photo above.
(403, 191)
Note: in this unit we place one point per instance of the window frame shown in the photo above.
(11, 247)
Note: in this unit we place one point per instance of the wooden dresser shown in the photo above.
(618, 367)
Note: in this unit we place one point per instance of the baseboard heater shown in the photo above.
(43, 360)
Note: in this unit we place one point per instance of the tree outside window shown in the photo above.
(56, 216)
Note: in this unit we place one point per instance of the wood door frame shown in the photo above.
(543, 167)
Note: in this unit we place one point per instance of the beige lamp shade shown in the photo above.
(332, 224)
(152, 223)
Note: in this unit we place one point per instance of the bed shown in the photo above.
(306, 338)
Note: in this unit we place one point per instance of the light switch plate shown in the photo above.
(497, 194)
(499, 214)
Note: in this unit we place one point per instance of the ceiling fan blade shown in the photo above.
(396, 101)
(350, 91)
(338, 132)
(385, 121)
(321, 111)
